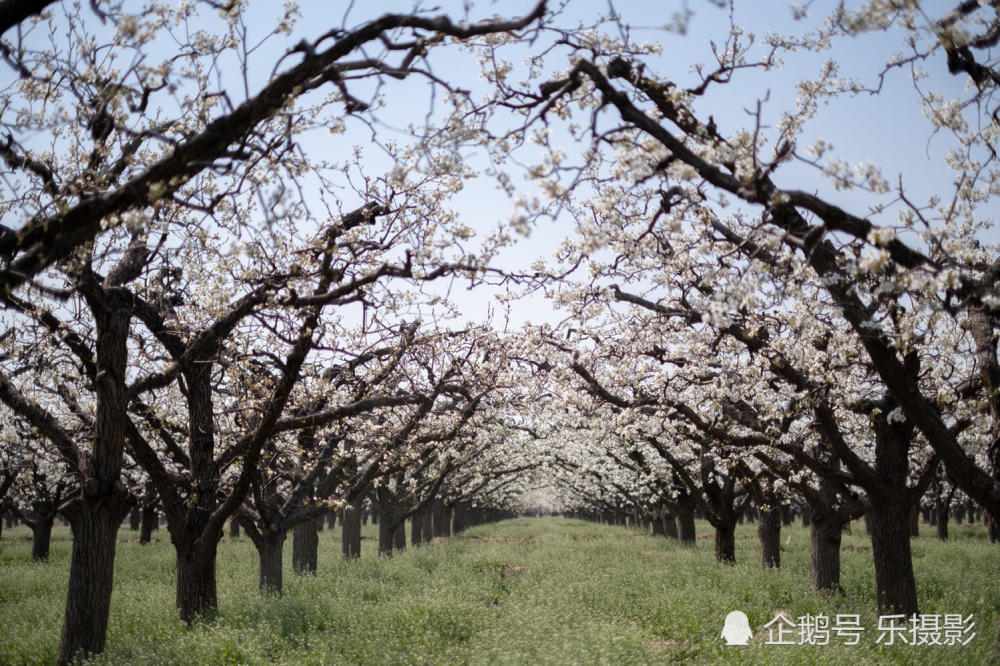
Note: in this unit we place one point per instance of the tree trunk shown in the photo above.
(685, 520)
(95, 526)
(769, 533)
(914, 521)
(428, 528)
(895, 586)
(134, 519)
(669, 524)
(437, 518)
(305, 546)
(399, 535)
(97, 513)
(234, 528)
(386, 530)
(196, 593)
(942, 524)
(416, 528)
(270, 551)
(148, 524)
(41, 536)
(446, 520)
(725, 541)
(350, 541)
(825, 532)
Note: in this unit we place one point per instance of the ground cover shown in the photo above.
(529, 591)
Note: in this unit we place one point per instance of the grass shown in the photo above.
(530, 591)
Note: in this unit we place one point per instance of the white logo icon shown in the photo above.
(737, 628)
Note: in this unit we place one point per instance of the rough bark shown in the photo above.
(825, 530)
(725, 541)
(269, 550)
(97, 513)
(914, 521)
(895, 585)
(196, 591)
(305, 546)
(95, 526)
(769, 533)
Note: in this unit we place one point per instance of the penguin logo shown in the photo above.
(736, 631)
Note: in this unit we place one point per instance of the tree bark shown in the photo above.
(669, 522)
(416, 528)
(825, 531)
(148, 523)
(896, 588)
(942, 523)
(386, 529)
(685, 520)
(95, 526)
(196, 591)
(305, 546)
(270, 550)
(437, 518)
(351, 532)
(769, 533)
(914, 521)
(97, 513)
(234, 528)
(134, 519)
(399, 535)
(428, 528)
(41, 536)
(725, 541)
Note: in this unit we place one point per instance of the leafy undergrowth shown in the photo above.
(542, 591)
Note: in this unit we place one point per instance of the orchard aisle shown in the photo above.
(526, 591)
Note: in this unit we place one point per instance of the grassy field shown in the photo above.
(532, 591)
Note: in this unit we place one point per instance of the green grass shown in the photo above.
(542, 591)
